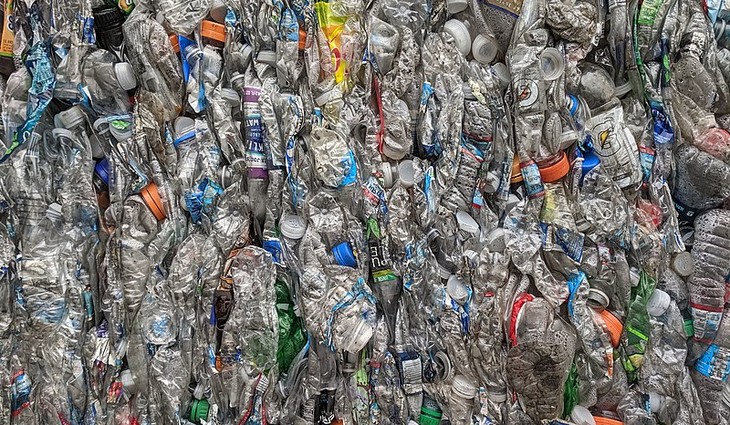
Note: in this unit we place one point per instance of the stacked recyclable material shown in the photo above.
(347, 212)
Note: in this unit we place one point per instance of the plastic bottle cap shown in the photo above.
(656, 401)
(54, 212)
(391, 153)
(175, 43)
(590, 161)
(388, 177)
(443, 273)
(412, 422)
(199, 410)
(658, 303)
(323, 98)
(151, 197)
(503, 74)
(597, 299)
(557, 171)
(361, 336)
(455, 6)
(406, 173)
(70, 118)
(581, 416)
(128, 381)
(102, 170)
(183, 126)
(343, 254)
(634, 276)
(606, 421)
(125, 75)
(498, 395)
(292, 226)
(230, 97)
(622, 90)
(496, 240)
(213, 30)
(684, 264)
(460, 32)
(516, 171)
(457, 289)
(466, 223)
(267, 56)
(552, 63)
(484, 49)
(614, 326)
(429, 417)
(461, 387)
(444, 363)
(218, 11)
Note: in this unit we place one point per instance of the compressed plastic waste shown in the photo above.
(345, 212)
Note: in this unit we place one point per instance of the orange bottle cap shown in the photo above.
(557, 171)
(213, 30)
(613, 325)
(606, 421)
(302, 38)
(151, 197)
(175, 43)
(516, 171)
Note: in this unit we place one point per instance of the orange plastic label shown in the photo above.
(6, 48)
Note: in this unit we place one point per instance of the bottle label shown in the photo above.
(255, 150)
(646, 156)
(648, 12)
(20, 387)
(706, 321)
(533, 182)
(8, 37)
(685, 213)
(714, 363)
(512, 6)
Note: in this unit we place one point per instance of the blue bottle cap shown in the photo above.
(102, 170)
(590, 161)
(343, 254)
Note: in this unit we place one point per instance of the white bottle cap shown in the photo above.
(461, 387)
(496, 240)
(552, 63)
(69, 118)
(125, 75)
(683, 264)
(183, 125)
(656, 401)
(267, 56)
(484, 49)
(597, 299)
(442, 359)
(582, 416)
(292, 226)
(406, 173)
(360, 337)
(54, 212)
(395, 155)
(128, 381)
(443, 273)
(455, 6)
(218, 11)
(456, 289)
(497, 395)
(231, 97)
(460, 32)
(503, 74)
(388, 177)
(658, 303)
(466, 223)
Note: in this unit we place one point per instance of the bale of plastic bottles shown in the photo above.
(346, 212)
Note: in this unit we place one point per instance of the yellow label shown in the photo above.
(512, 6)
(6, 47)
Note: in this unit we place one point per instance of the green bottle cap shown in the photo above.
(199, 410)
(429, 417)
